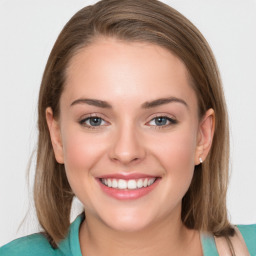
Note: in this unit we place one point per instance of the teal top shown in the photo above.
(38, 245)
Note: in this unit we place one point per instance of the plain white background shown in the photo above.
(28, 30)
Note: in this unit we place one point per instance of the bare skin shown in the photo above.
(129, 109)
(163, 240)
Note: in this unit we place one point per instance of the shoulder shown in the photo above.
(35, 244)
(249, 234)
(38, 245)
(247, 229)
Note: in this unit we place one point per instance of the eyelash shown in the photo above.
(168, 119)
(90, 118)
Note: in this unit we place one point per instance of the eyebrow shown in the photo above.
(93, 102)
(146, 105)
(162, 101)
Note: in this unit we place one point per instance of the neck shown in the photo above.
(167, 237)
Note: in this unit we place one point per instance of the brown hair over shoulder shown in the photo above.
(204, 205)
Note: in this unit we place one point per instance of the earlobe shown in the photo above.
(54, 130)
(205, 136)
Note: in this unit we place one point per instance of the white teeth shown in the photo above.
(128, 184)
(132, 184)
(114, 184)
(150, 182)
(122, 184)
(139, 183)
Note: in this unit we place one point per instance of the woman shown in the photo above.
(132, 121)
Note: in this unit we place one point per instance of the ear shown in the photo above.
(205, 136)
(54, 129)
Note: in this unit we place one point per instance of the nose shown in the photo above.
(127, 146)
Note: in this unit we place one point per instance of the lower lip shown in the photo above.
(125, 194)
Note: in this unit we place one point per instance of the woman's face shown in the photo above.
(128, 118)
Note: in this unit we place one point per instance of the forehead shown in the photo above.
(111, 51)
(109, 67)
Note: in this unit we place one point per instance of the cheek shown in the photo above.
(176, 154)
(81, 151)
(178, 148)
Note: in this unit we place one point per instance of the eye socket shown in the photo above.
(162, 121)
(96, 121)
(93, 121)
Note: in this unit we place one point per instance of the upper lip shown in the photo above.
(126, 176)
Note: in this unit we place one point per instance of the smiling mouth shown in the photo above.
(130, 184)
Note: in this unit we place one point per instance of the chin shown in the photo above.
(128, 221)
(128, 226)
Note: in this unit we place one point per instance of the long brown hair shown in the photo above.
(204, 205)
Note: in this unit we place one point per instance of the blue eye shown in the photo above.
(162, 121)
(93, 121)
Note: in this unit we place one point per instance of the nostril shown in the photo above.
(126, 149)
(125, 159)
